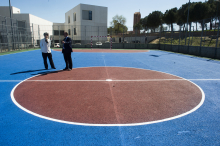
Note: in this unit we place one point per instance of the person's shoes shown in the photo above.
(69, 69)
(53, 67)
(65, 68)
(46, 68)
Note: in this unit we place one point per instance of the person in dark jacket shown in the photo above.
(67, 50)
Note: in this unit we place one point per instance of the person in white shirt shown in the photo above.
(46, 51)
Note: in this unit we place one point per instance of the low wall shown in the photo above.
(208, 52)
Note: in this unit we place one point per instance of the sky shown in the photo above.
(54, 10)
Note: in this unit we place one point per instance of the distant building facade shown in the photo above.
(81, 22)
(137, 18)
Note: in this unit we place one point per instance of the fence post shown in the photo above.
(33, 34)
(165, 38)
(135, 37)
(39, 34)
(20, 38)
(217, 42)
(201, 37)
(52, 40)
(179, 39)
(192, 36)
(171, 37)
(205, 34)
(72, 33)
(59, 35)
(7, 33)
(179, 34)
(189, 38)
(85, 34)
(159, 36)
(25, 35)
(186, 34)
(123, 39)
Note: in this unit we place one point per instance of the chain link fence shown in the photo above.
(16, 35)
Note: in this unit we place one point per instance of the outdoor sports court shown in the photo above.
(111, 97)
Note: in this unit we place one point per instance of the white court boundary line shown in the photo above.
(110, 80)
(110, 125)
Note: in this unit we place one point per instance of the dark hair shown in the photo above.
(66, 32)
(46, 34)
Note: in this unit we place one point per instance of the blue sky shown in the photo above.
(54, 10)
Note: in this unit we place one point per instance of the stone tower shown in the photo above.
(137, 18)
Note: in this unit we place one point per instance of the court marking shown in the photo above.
(110, 80)
(111, 125)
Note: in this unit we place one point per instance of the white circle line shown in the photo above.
(143, 80)
(109, 125)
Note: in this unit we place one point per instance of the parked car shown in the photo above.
(98, 43)
(56, 45)
(36, 46)
(77, 44)
(136, 41)
(107, 42)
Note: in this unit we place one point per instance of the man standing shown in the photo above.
(46, 51)
(67, 50)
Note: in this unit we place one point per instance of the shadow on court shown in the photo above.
(161, 55)
(28, 71)
(47, 72)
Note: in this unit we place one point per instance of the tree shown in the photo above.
(142, 24)
(181, 13)
(170, 17)
(201, 11)
(118, 24)
(213, 13)
(154, 20)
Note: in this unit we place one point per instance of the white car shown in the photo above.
(98, 43)
(56, 45)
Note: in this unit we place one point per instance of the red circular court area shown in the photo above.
(104, 50)
(108, 95)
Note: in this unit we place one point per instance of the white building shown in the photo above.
(82, 22)
(27, 28)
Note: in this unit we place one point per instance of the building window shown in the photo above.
(74, 16)
(90, 15)
(69, 31)
(86, 15)
(56, 32)
(61, 32)
(21, 26)
(75, 31)
(68, 19)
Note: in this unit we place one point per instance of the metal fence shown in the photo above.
(16, 35)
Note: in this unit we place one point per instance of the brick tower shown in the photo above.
(137, 18)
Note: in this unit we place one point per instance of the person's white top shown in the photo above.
(45, 47)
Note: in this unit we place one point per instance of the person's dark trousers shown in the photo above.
(49, 56)
(68, 60)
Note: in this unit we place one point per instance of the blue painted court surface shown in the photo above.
(201, 127)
